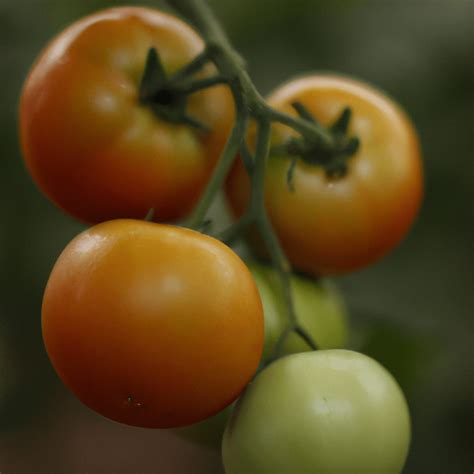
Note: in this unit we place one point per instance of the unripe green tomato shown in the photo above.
(318, 305)
(320, 310)
(323, 412)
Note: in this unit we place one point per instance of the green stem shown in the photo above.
(199, 13)
(230, 234)
(249, 103)
(227, 60)
(232, 67)
(307, 128)
(194, 66)
(225, 162)
(200, 84)
(262, 149)
(264, 225)
(246, 156)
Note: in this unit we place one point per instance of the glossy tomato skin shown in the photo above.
(152, 325)
(322, 412)
(320, 310)
(90, 145)
(333, 226)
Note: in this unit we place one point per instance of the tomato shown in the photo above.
(335, 225)
(152, 325)
(333, 411)
(87, 140)
(320, 311)
(318, 305)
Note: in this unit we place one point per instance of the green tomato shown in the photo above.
(320, 310)
(333, 411)
(318, 305)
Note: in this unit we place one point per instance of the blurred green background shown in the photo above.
(412, 311)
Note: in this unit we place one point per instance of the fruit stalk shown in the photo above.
(249, 104)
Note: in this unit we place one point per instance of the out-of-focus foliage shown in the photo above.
(419, 52)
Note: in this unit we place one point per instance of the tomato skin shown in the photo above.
(320, 310)
(90, 145)
(333, 226)
(325, 412)
(152, 325)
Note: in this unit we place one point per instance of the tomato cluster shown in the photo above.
(155, 325)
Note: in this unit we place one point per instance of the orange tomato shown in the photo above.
(331, 226)
(88, 142)
(152, 325)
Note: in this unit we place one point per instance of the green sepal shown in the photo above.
(154, 75)
(290, 173)
(303, 112)
(341, 124)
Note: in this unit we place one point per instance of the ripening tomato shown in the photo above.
(152, 325)
(320, 311)
(91, 145)
(331, 225)
(322, 412)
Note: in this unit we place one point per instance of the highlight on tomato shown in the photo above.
(333, 411)
(343, 210)
(152, 325)
(100, 145)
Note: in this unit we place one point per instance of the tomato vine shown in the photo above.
(250, 105)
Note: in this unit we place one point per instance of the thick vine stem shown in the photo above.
(249, 104)
(307, 128)
(264, 225)
(228, 155)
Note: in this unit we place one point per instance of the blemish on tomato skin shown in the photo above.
(132, 402)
